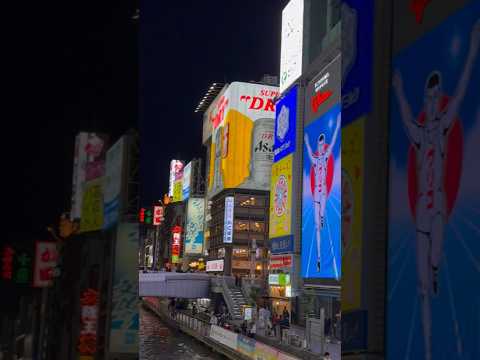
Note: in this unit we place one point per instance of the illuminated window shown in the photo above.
(242, 225)
(257, 226)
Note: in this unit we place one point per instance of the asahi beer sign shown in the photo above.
(242, 142)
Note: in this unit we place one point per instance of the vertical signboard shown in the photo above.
(89, 164)
(291, 53)
(92, 206)
(177, 181)
(281, 198)
(357, 58)
(187, 181)
(228, 220)
(79, 161)
(176, 168)
(321, 198)
(87, 342)
(285, 125)
(352, 205)
(113, 182)
(45, 262)
(194, 230)
(176, 244)
(125, 320)
(242, 142)
(433, 302)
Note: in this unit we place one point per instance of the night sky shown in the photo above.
(73, 66)
(185, 47)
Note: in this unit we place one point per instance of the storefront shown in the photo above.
(280, 284)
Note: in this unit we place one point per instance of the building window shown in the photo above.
(257, 226)
(242, 225)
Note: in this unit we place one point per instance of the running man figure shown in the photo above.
(429, 140)
(319, 162)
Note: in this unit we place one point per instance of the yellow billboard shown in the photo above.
(92, 206)
(352, 213)
(177, 191)
(241, 152)
(281, 198)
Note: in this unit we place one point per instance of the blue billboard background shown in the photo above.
(455, 311)
(331, 233)
(357, 86)
(285, 126)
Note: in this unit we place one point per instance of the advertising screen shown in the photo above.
(357, 58)
(433, 302)
(352, 206)
(88, 164)
(281, 198)
(292, 43)
(321, 199)
(92, 206)
(178, 168)
(187, 181)
(194, 230)
(125, 319)
(228, 221)
(242, 141)
(113, 182)
(285, 125)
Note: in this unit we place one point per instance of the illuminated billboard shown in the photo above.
(187, 181)
(321, 199)
(124, 318)
(228, 220)
(176, 244)
(194, 229)
(285, 125)
(352, 213)
(92, 206)
(433, 297)
(177, 171)
(357, 54)
(281, 198)
(291, 53)
(241, 152)
(113, 182)
(176, 167)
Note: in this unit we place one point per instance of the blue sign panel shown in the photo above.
(285, 125)
(321, 201)
(357, 57)
(282, 245)
(433, 299)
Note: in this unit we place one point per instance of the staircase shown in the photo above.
(238, 300)
(234, 299)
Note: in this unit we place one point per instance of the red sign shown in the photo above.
(87, 344)
(176, 242)
(157, 215)
(280, 261)
(7, 263)
(319, 98)
(417, 7)
(45, 262)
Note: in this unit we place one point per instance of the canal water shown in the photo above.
(157, 342)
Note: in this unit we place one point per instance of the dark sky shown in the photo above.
(184, 47)
(75, 66)
(71, 66)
